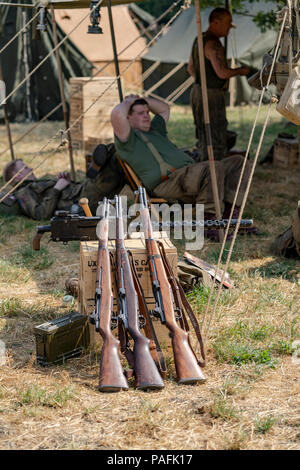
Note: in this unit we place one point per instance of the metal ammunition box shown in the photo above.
(60, 339)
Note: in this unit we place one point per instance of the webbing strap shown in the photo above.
(182, 303)
(155, 348)
(165, 168)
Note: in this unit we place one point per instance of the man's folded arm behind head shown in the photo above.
(119, 118)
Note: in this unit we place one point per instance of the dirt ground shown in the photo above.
(251, 397)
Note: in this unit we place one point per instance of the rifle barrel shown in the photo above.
(146, 373)
(111, 377)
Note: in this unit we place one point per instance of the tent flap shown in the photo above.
(40, 94)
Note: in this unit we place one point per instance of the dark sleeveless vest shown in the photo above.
(212, 79)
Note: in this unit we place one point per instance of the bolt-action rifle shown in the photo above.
(112, 378)
(188, 370)
(145, 370)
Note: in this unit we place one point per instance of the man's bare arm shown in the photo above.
(214, 51)
(159, 107)
(190, 67)
(119, 119)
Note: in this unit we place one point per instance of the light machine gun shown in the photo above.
(65, 227)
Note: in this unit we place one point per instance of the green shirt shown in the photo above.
(137, 154)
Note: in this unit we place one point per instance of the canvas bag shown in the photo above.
(289, 104)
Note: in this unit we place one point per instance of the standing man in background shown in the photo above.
(217, 76)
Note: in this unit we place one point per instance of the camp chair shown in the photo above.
(135, 182)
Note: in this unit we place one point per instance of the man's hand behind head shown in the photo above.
(132, 97)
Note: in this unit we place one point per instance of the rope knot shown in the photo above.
(63, 138)
(186, 5)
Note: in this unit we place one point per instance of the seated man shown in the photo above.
(39, 199)
(165, 170)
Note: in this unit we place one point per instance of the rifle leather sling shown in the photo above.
(180, 301)
(150, 331)
(165, 168)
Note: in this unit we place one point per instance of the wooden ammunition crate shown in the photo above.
(286, 153)
(97, 96)
(88, 271)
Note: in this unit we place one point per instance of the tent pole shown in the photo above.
(232, 81)
(7, 120)
(206, 116)
(62, 94)
(26, 67)
(113, 40)
(226, 38)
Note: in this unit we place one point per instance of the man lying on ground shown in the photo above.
(166, 171)
(40, 198)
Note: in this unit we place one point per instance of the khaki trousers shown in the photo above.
(192, 184)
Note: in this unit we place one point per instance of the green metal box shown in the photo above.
(60, 339)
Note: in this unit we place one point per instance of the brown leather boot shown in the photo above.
(227, 210)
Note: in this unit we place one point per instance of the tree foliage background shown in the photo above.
(262, 19)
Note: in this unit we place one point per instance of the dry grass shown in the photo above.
(251, 397)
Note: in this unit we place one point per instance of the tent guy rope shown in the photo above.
(18, 33)
(80, 117)
(49, 54)
(98, 71)
(265, 88)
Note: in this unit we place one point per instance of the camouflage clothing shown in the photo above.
(39, 199)
(192, 183)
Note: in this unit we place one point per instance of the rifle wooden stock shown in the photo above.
(148, 328)
(145, 370)
(111, 378)
(188, 370)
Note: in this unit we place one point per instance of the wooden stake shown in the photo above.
(206, 116)
(62, 94)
